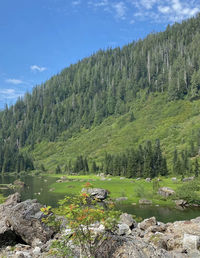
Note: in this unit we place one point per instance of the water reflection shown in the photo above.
(39, 188)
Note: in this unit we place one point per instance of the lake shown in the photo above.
(37, 187)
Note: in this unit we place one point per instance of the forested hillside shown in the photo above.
(107, 87)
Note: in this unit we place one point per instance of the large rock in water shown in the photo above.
(98, 193)
(22, 220)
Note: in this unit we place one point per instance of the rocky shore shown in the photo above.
(22, 234)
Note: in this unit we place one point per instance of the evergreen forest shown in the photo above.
(130, 111)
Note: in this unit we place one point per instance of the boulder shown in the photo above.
(180, 203)
(22, 221)
(165, 191)
(63, 178)
(123, 229)
(127, 219)
(147, 223)
(191, 242)
(119, 199)
(145, 201)
(127, 246)
(59, 181)
(98, 193)
(174, 179)
(187, 179)
(37, 251)
(148, 179)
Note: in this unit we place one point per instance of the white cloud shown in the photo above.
(78, 2)
(165, 10)
(38, 68)
(10, 94)
(14, 81)
(120, 9)
(101, 3)
(7, 91)
(159, 11)
(148, 4)
(116, 8)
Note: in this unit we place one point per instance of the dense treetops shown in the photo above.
(105, 84)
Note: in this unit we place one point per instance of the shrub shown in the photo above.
(189, 192)
(82, 214)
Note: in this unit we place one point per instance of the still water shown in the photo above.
(37, 187)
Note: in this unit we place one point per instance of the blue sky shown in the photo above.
(38, 38)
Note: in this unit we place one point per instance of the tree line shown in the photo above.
(11, 160)
(144, 161)
(147, 161)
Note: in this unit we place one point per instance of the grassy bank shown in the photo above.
(133, 189)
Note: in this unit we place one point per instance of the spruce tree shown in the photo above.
(196, 168)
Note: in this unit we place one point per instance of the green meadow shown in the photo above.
(133, 189)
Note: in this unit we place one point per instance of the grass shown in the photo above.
(2, 199)
(134, 190)
(174, 123)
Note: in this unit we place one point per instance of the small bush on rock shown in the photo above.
(87, 224)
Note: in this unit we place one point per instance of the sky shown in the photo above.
(38, 38)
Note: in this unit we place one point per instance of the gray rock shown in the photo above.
(127, 219)
(148, 179)
(174, 179)
(145, 201)
(59, 181)
(180, 203)
(165, 191)
(98, 193)
(147, 223)
(191, 242)
(36, 250)
(21, 254)
(188, 179)
(22, 219)
(129, 247)
(123, 229)
(121, 199)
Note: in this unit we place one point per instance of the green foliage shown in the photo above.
(189, 191)
(156, 185)
(12, 160)
(196, 168)
(82, 213)
(1, 198)
(146, 161)
(139, 190)
(58, 170)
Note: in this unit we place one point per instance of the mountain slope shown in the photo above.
(175, 123)
(75, 106)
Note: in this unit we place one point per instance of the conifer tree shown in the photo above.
(196, 168)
